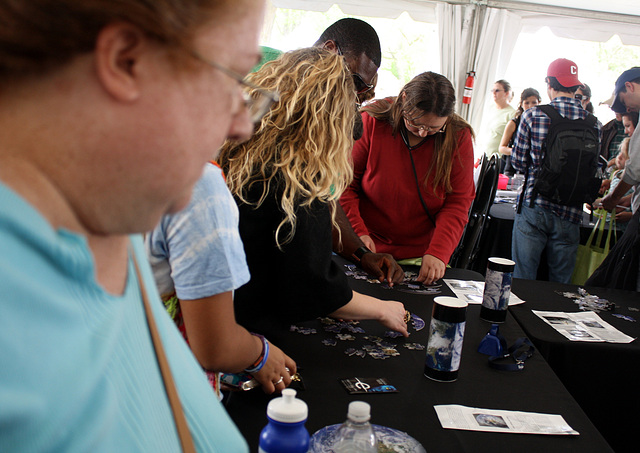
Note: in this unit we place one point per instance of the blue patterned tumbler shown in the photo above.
(497, 289)
(446, 334)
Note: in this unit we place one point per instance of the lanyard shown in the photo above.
(518, 352)
(495, 346)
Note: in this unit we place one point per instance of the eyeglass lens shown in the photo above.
(426, 128)
(258, 104)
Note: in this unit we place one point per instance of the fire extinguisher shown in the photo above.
(468, 87)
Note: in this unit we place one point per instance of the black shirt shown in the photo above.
(298, 282)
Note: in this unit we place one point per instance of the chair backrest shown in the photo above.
(479, 170)
(488, 186)
(486, 189)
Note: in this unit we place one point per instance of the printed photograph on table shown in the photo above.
(490, 420)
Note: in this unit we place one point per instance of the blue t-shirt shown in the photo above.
(198, 252)
(78, 371)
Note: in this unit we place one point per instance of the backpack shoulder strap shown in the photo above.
(550, 111)
(555, 117)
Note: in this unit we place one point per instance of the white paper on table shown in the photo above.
(583, 326)
(471, 291)
(454, 416)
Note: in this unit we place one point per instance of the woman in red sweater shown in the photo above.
(413, 175)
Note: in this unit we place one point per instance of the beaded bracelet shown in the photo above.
(257, 366)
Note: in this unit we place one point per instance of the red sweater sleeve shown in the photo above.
(454, 214)
(350, 198)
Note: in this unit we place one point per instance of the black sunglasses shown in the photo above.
(361, 85)
(358, 81)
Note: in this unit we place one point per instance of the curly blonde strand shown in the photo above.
(305, 140)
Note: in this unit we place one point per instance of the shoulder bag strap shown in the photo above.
(174, 399)
(415, 175)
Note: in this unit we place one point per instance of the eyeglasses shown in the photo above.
(580, 97)
(428, 129)
(361, 86)
(259, 103)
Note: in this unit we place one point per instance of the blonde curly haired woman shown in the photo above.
(285, 181)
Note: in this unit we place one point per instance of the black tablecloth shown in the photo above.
(496, 239)
(535, 389)
(602, 377)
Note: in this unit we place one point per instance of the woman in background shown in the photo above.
(285, 180)
(413, 175)
(528, 98)
(583, 94)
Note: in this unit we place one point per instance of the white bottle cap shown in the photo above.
(359, 411)
(287, 408)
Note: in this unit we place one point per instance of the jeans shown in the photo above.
(536, 229)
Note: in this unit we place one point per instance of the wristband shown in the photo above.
(360, 252)
(262, 359)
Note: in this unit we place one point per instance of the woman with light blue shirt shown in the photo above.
(110, 111)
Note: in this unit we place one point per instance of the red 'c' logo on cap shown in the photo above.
(574, 70)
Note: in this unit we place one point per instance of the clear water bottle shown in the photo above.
(356, 434)
(285, 432)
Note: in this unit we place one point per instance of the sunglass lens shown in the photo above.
(361, 87)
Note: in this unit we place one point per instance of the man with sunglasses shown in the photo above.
(358, 42)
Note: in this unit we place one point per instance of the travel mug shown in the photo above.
(497, 289)
(446, 334)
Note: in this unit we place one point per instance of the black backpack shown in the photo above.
(570, 174)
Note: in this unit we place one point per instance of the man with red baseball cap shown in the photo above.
(542, 224)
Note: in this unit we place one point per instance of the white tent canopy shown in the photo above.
(479, 35)
(591, 20)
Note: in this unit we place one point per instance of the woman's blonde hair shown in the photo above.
(304, 143)
(426, 93)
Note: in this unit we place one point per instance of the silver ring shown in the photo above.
(281, 379)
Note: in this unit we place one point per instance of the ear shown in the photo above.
(331, 46)
(119, 48)
(630, 86)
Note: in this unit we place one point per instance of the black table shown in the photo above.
(602, 377)
(536, 389)
(496, 238)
